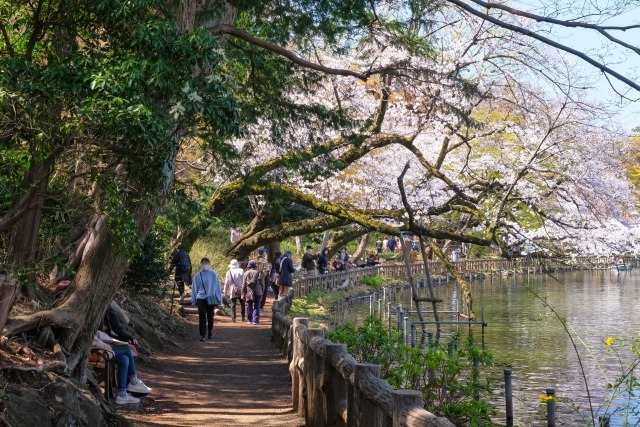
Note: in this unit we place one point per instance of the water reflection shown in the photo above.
(524, 337)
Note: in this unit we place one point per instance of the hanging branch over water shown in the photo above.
(427, 271)
(405, 253)
(457, 276)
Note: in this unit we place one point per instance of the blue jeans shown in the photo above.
(253, 309)
(125, 363)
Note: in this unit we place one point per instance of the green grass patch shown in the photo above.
(212, 245)
(317, 305)
(375, 281)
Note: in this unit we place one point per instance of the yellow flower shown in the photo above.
(545, 398)
(609, 341)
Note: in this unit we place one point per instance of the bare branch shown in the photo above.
(517, 29)
(291, 56)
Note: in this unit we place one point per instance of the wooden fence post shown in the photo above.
(297, 380)
(335, 387)
(403, 401)
(313, 375)
(361, 411)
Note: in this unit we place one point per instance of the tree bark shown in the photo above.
(362, 248)
(97, 280)
(299, 248)
(23, 245)
(8, 292)
(325, 239)
(253, 240)
(340, 238)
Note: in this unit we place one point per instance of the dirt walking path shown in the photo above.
(236, 379)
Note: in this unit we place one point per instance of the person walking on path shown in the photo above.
(286, 273)
(182, 264)
(391, 244)
(309, 261)
(252, 290)
(323, 261)
(206, 294)
(263, 267)
(275, 274)
(379, 244)
(233, 288)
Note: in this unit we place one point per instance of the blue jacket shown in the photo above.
(286, 271)
(205, 284)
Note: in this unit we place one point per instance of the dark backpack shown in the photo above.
(183, 262)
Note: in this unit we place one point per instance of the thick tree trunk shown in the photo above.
(8, 291)
(325, 239)
(362, 248)
(97, 280)
(93, 227)
(299, 248)
(23, 246)
(340, 238)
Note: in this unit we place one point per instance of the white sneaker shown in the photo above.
(139, 388)
(126, 400)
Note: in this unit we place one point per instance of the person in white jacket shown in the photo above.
(206, 287)
(233, 288)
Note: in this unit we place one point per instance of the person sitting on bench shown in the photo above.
(114, 329)
(126, 365)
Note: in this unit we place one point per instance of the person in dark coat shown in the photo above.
(182, 264)
(275, 274)
(323, 261)
(309, 261)
(286, 273)
(114, 328)
(391, 244)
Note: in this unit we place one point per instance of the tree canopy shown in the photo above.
(113, 113)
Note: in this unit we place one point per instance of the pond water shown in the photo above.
(524, 337)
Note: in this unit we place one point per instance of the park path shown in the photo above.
(236, 379)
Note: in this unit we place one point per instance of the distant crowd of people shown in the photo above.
(245, 284)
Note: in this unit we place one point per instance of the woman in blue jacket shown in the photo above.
(206, 294)
(286, 273)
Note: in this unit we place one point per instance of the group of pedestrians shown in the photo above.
(248, 287)
(386, 244)
(245, 285)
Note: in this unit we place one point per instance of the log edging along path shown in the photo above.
(329, 388)
(326, 282)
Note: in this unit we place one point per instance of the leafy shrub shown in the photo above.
(450, 384)
(149, 270)
(373, 281)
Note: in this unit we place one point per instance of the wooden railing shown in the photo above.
(329, 388)
(305, 284)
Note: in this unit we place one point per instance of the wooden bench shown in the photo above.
(104, 368)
